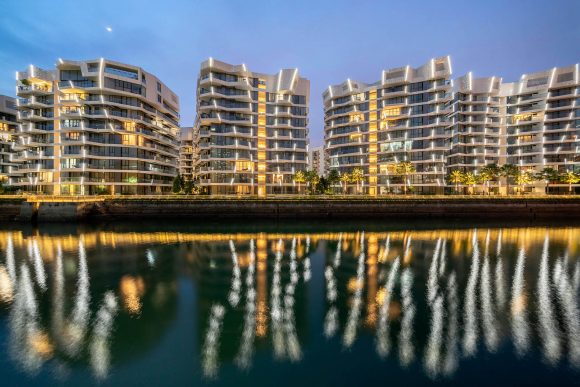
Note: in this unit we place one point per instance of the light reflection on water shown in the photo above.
(429, 300)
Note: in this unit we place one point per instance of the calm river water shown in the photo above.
(286, 305)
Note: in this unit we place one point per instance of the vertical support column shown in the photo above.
(57, 147)
(373, 189)
(261, 139)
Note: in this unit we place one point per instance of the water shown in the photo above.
(345, 304)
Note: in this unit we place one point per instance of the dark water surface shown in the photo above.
(291, 304)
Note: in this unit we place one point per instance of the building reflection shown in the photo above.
(429, 297)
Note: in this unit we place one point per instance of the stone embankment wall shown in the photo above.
(360, 209)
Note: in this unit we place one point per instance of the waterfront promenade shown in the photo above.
(214, 208)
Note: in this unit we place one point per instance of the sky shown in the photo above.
(327, 40)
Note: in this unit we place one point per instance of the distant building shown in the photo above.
(96, 126)
(186, 153)
(317, 160)
(251, 129)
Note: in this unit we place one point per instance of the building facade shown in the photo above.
(251, 129)
(96, 127)
(8, 128)
(476, 136)
(401, 118)
(438, 125)
(542, 117)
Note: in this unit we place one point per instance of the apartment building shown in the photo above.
(95, 127)
(403, 117)
(317, 160)
(186, 153)
(8, 128)
(475, 138)
(251, 129)
(542, 116)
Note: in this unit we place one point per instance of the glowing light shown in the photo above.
(108, 29)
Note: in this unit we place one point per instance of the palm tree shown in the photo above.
(300, 177)
(509, 171)
(469, 179)
(569, 178)
(345, 179)
(357, 176)
(522, 179)
(484, 178)
(405, 168)
(549, 175)
(493, 171)
(456, 177)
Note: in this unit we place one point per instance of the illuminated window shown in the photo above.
(391, 112)
(357, 117)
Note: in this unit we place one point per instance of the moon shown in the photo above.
(109, 29)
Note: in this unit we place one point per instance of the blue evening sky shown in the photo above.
(328, 40)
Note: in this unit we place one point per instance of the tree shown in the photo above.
(312, 178)
(493, 171)
(549, 175)
(469, 179)
(405, 168)
(345, 179)
(569, 178)
(357, 176)
(455, 177)
(333, 178)
(322, 186)
(177, 184)
(189, 186)
(300, 177)
(509, 171)
(522, 179)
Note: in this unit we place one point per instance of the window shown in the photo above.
(159, 87)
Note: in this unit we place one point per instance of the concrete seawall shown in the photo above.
(212, 209)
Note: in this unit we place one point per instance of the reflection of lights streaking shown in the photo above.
(29, 345)
(10, 259)
(338, 253)
(99, 351)
(331, 319)
(276, 308)
(80, 315)
(452, 356)
(547, 329)
(355, 310)
(432, 286)
(500, 294)
(569, 301)
(58, 298)
(236, 286)
(520, 329)
(246, 351)
(470, 313)
(292, 343)
(6, 286)
(38, 266)
(385, 254)
(433, 351)
(490, 334)
(307, 274)
(383, 331)
(150, 257)
(406, 348)
(210, 358)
